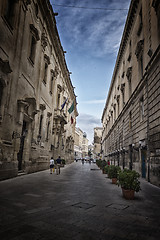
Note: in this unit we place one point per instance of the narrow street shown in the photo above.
(80, 203)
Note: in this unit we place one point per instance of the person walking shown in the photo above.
(58, 165)
(51, 165)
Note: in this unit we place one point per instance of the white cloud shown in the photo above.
(94, 101)
(87, 123)
(95, 31)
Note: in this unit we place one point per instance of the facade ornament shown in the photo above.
(46, 58)
(34, 31)
(129, 73)
(28, 2)
(156, 5)
(44, 41)
(123, 74)
(49, 114)
(5, 66)
(56, 71)
(139, 49)
(118, 97)
(42, 107)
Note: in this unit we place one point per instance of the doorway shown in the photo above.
(143, 161)
(22, 139)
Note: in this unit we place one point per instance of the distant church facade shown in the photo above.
(131, 117)
(35, 89)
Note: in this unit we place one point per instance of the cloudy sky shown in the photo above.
(90, 32)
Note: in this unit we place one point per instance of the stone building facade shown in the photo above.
(34, 83)
(85, 145)
(97, 141)
(131, 117)
(78, 141)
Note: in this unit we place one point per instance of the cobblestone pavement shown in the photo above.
(80, 203)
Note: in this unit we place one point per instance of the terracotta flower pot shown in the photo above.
(114, 180)
(128, 194)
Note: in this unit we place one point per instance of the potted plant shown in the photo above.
(113, 173)
(103, 165)
(128, 180)
(106, 168)
(99, 163)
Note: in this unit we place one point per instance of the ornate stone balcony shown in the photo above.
(60, 116)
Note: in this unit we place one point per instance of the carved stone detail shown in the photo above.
(44, 41)
(129, 73)
(139, 49)
(5, 66)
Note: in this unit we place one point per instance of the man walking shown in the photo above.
(58, 165)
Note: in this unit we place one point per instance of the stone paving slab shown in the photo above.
(80, 203)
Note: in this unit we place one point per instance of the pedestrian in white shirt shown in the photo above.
(51, 165)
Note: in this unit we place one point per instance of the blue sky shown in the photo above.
(91, 35)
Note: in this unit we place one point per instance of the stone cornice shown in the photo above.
(48, 15)
(125, 36)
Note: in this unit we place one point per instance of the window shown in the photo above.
(58, 100)
(130, 51)
(32, 49)
(130, 120)
(129, 77)
(118, 106)
(141, 108)
(46, 63)
(156, 6)
(51, 82)
(40, 125)
(123, 94)
(47, 136)
(1, 94)
(34, 37)
(59, 90)
(10, 12)
(140, 23)
(139, 55)
(45, 73)
(114, 112)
